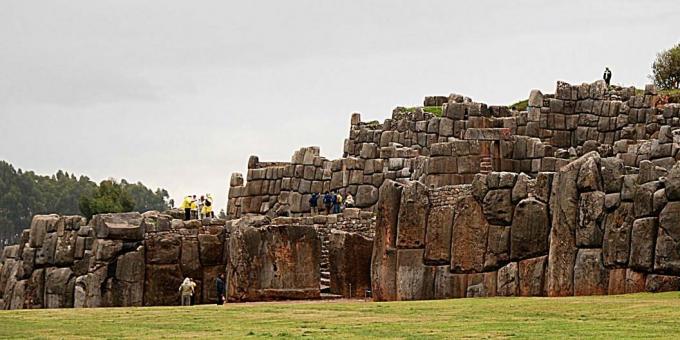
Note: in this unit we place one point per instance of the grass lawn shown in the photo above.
(623, 316)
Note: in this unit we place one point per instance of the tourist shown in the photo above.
(607, 75)
(337, 203)
(185, 289)
(193, 291)
(186, 205)
(349, 201)
(206, 211)
(219, 283)
(194, 208)
(313, 202)
(327, 202)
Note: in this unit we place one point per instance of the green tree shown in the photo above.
(110, 197)
(666, 68)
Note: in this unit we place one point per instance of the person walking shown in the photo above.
(221, 291)
(313, 202)
(607, 76)
(185, 290)
(327, 202)
(186, 205)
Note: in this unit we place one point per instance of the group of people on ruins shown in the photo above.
(333, 202)
(197, 208)
(188, 291)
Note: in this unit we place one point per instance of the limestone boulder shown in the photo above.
(529, 230)
(412, 219)
(59, 285)
(163, 248)
(673, 183)
(590, 275)
(497, 247)
(589, 231)
(508, 280)
(617, 227)
(120, 226)
(273, 262)
(448, 285)
(662, 283)
(481, 284)
(190, 258)
(161, 284)
(367, 195)
(128, 285)
(643, 236)
(350, 263)
(415, 281)
(532, 276)
(438, 235)
(40, 225)
(210, 247)
(564, 206)
(498, 206)
(384, 258)
(667, 255)
(469, 237)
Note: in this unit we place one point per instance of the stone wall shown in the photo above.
(594, 227)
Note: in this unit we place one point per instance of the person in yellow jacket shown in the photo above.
(194, 207)
(207, 211)
(186, 206)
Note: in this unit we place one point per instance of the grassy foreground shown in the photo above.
(623, 316)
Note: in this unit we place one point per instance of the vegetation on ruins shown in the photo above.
(666, 69)
(622, 316)
(24, 194)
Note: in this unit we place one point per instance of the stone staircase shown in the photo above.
(485, 165)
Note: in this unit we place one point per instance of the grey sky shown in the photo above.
(177, 94)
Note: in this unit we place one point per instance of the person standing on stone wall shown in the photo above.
(337, 203)
(221, 291)
(607, 75)
(194, 208)
(327, 202)
(186, 205)
(313, 202)
(349, 200)
(206, 211)
(185, 290)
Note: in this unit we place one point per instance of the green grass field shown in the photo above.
(623, 316)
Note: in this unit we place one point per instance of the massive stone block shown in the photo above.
(350, 263)
(128, 284)
(163, 248)
(161, 286)
(273, 262)
(481, 284)
(532, 276)
(438, 235)
(667, 258)
(617, 226)
(662, 283)
(448, 285)
(59, 284)
(412, 220)
(470, 233)
(497, 247)
(564, 206)
(122, 226)
(508, 280)
(530, 228)
(589, 231)
(190, 258)
(39, 227)
(643, 236)
(590, 275)
(498, 207)
(415, 281)
(367, 195)
(384, 258)
(211, 247)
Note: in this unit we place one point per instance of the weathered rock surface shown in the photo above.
(350, 263)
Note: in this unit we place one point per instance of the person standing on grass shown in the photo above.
(185, 289)
(221, 291)
(193, 291)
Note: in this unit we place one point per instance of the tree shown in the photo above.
(666, 68)
(110, 197)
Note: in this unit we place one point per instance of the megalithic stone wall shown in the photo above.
(593, 228)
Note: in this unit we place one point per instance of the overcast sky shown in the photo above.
(178, 94)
